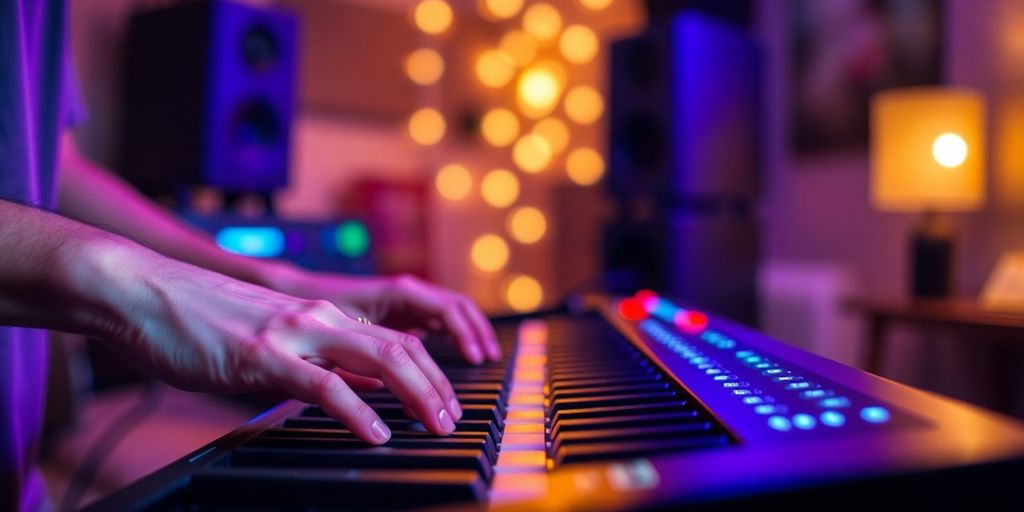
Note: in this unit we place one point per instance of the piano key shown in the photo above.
(625, 421)
(613, 400)
(491, 399)
(587, 383)
(492, 444)
(615, 450)
(397, 424)
(609, 435)
(608, 390)
(347, 488)
(438, 443)
(620, 410)
(364, 458)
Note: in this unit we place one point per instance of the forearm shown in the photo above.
(91, 194)
(54, 272)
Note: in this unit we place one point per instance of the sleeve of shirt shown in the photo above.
(74, 110)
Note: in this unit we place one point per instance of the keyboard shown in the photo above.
(627, 403)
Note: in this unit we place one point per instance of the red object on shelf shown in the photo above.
(632, 309)
(396, 212)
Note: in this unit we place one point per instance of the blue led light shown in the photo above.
(814, 394)
(804, 421)
(741, 392)
(255, 241)
(704, 366)
(727, 344)
(798, 385)
(744, 353)
(734, 384)
(835, 402)
(833, 418)
(787, 378)
(752, 400)
(773, 371)
(764, 409)
(874, 414)
(762, 366)
(780, 423)
(722, 378)
(753, 359)
(712, 371)
(698, 360)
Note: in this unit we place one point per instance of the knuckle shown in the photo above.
(406, 281)
(412, 343)
(364, 412)
(391, 353)
(432, 396)
(326, 385)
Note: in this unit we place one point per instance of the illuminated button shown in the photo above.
(753, 359)
(731, 385)
(727, 344)
(744, 353)
(698, 360)
(833, 418)
(765, 409)
(753, 400)
(787, 378)
(774, 371)
(704, 366)
(874, 414)
(722, 378)
(814, 394)
(780, 423)
(761, 366)
(352, 239)
(741, 392)
(804, 421)
(798, 385)
(836, 402)
(712, 371)
(254, 241)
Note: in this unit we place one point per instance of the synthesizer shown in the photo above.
(628, 403)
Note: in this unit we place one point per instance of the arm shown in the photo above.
(201, 330)
(92, 194)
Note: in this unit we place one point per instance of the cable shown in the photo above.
(145, 406)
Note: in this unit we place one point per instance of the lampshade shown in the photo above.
(927, 149)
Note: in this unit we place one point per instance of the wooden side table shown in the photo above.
(999, 332)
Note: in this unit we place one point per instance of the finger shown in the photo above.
(313, 384)
(389, 361)
(359, 382)
(484, 331)
(414, 347)
(440, 304)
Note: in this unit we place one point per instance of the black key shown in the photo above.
(610, 435)
(620, 410)
(492, 445)
(608, 390)
(624, 421)
(365, 458)
(491, 399)
(587, 383)
(605, 451)
(613, 400)
(393, 411)
(395, 425)
(436, 443)
(346, 488)
(602, 374)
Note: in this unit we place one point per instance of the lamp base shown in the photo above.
(931, 255)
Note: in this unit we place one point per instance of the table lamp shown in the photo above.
(927, 155)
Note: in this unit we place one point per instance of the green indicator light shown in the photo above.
(352, 239)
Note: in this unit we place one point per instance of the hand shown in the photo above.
(203, 331)
(404, 303)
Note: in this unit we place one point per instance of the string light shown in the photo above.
(433, 16)
(531, 153)
(453, 182)
(585, 166)
(523, 293)
(489, 253)
(500, 188)
(499, 127)
(596, 5)
(495, 68)
(501, 9)
(520, 46)
(526, 224)
(539, 88)
(542, 21)
(424, 66)
(427, 126)
(555, 132)
(584, 105)
(578, 44)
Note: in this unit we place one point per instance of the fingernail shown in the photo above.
(447, 426)
(474, 354)
(455, 408)
(380, 431)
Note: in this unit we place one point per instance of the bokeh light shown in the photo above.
(578, 44)
(424, 66)
(539, 89)
(585, 166)
(433, 16)
(489, 253)
(427, 126)
(526, 224)
(499, 127)
(495, 68)
(501, 9)
(453, 182)
(596, 5)
(584, 104)
(531, 153)
(542, 21)
(949, 150)
(520, 46)
(555, 132)
(523, 293)
(500, 188)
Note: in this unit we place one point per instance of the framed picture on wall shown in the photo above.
(845, 50)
